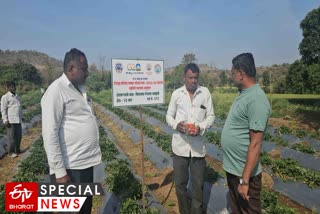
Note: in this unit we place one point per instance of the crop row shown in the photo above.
(267, 204)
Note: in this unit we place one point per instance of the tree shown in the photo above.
(189, 58)
(310, 44)
(266, 78)
(314, 78)
(296, 77)
(223, 78)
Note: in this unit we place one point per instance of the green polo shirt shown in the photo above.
(250, 110)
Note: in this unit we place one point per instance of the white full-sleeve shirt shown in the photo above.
(11, 108)
(69, 128)
(198, 111)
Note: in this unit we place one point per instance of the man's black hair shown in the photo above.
(245, 62)
(72, 56)
(193, 67)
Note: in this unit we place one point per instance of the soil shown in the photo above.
(8, 165)
(275, 154)
(308, 123)
(160, 182)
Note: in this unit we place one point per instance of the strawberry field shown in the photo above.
(290, 158)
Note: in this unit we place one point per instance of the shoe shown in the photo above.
(13, 155)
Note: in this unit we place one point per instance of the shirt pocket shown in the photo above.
(200, 114)
(74, 107)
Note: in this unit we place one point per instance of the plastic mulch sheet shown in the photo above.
(299, 192)
(305, 160)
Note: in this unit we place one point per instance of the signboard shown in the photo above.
(137, 82)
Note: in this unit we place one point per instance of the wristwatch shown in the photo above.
(242, 182)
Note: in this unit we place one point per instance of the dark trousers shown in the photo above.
(181, 167)
(14, 133)
(237, 203)
(80, 176)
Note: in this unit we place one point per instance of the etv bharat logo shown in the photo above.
(22, 197)
(46, 197)
(23, 194)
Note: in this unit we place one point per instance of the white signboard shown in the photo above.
(137, 82)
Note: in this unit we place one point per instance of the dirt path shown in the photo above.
(8, 164)
(153, 176)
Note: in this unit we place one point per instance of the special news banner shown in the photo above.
(48, 197)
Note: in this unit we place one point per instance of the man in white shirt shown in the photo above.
(11, 110)
(69, 127)
(190, 104)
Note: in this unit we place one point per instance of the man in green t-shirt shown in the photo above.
(242, 137)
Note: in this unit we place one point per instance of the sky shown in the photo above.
(214, 30)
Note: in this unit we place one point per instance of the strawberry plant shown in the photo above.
(289, 169)
(303, 148)
(108, 149)
(271, 205)
(121, 180)
(214, 138)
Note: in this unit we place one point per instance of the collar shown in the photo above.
(13, 95)
(68, 83)
(65, 79)
(184, 89)
(247, 90)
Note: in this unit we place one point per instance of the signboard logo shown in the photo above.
(149, 67)
(157, 68)
(131, 67)
(119, 68)
(138, 67)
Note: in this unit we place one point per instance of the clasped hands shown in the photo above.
(188, 128)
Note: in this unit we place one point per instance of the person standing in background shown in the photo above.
(190, 113)
(11, 110)
(69, 127)
(242, 137)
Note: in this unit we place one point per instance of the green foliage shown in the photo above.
(310, 44)
(27, 117)
(30, 169)
(214, 138)
(303, 78)
(282, 107)
(121, 180)
(31, 98)
(271, 205)
(296, 77)
(314, 78)
(284, 130)
(223, 78)
(108, 148)
(98, 81)
(265, 159)
(211, 175)
(189, 58)
(130, 206)
(174, 79)
(163, 140)
(266, 78)
(303, 148)
(34, 164)
(222, 103)
(289, 169)
(21, 73)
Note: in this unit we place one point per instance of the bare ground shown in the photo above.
(158, 181)
(7, 164)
